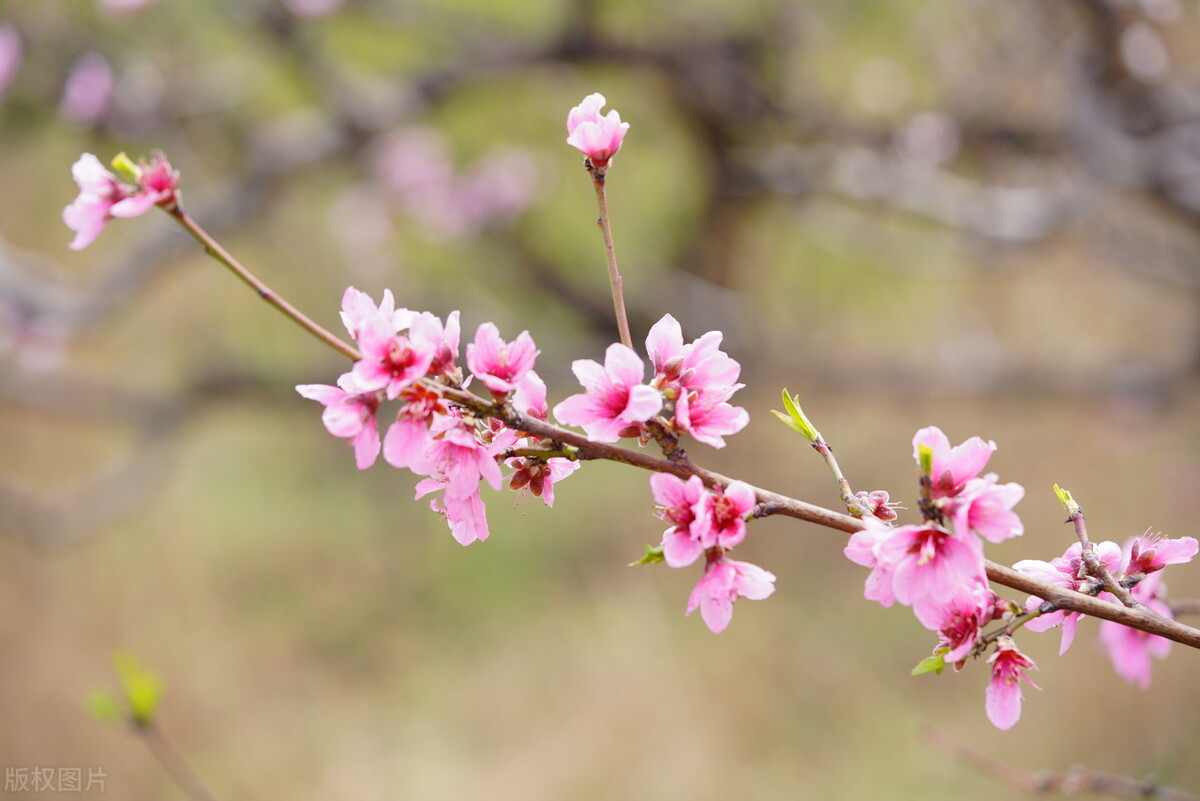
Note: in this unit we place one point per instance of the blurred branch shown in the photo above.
(1044, 782)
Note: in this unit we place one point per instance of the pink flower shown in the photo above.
(392, 361)
(1065, 571)
(864, 549)
(598, 138)
(1004, 690)
(467, 516)
(875, 503)
(684, 504)
(455, 453)
(359, 311)
(10, 56)
(1150, 553)
(929, 563)
(729, 509)
(500, 365)
(87, 93)
(952, 467)
(959, 619)
(699, 365)
(708, 418)
(985, 507)
(1130, 649)
(350, 414)
(723, 581)
(408, 437)
(614, 398)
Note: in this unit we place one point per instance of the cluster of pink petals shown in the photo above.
(959, 618)
(598, 138)
(698, 378)
(692, 385)
(102, 197)
(723, 582)
(1065, 571)
(1004, 694)
(710, 521)
(406, 356)
(700, 518)
(917, 565)
(1139, 563)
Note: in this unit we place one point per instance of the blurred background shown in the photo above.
(977, 215)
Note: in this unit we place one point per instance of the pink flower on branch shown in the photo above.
(1004, 694)
(1065, 571)
(684, 504)
(598, 138)
(466, 516)
(350, 414)
(985, 508)
(723, 582)
(102, 197)
(952, 466)
(959, 619)
(391, 361)
(1150, 553)
(498, 364)
(614, 399)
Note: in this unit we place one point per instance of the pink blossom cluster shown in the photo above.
(102, 197)
(1138, 567)
(688, 394)
(937, 567)
(406, 357)
(710, 522)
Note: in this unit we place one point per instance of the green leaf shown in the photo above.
(104, 706)
(796, 419)
(653, 555)
(1069, 503)
(143, 689)
(931, 664)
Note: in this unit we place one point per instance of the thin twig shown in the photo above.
(614, 272)
(169, 756)
(1067, 782)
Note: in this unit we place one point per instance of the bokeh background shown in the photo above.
(983, 216)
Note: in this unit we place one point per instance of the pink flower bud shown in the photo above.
(598, 138)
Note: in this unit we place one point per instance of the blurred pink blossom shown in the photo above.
(313, 8)
(10, 56)
(1131, 649)
(598, 138)
(125, 6)
(87, 94)
(985, 508)
(102, 197)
